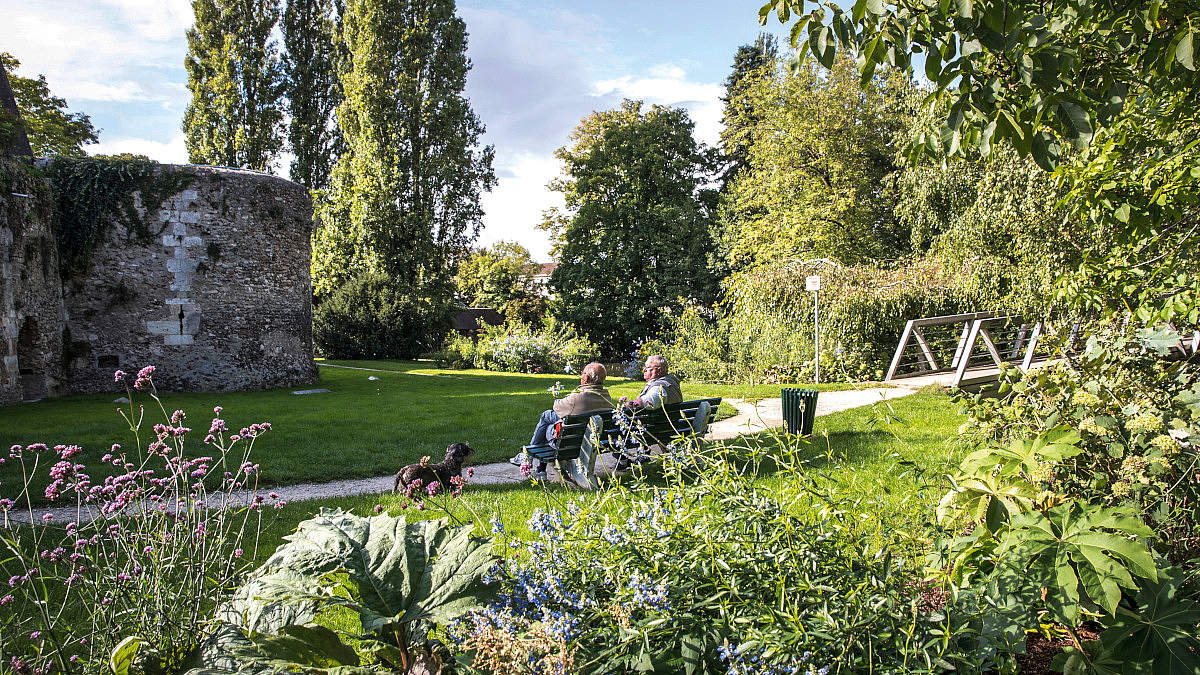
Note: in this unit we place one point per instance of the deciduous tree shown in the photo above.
(1115, 83)
(819, 180)
(501, 277)
(235, 117)
(51, 129)
(313, 93)
(635, 236)
(741, 116)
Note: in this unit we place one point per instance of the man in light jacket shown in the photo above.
(661, 388)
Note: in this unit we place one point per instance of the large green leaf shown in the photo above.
(124, 653)
(1023, 454)
(215, 654)
(1076, 123)
(1088, 549)
(316, 648)
(397, 572)
(1163, 630)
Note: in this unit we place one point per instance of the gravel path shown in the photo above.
(751, 418)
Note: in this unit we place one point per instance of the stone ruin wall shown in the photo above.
(31, 303)
(219, 301)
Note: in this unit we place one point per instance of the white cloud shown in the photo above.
(122, 92)
(81, 43)
(157, 20)
(514, 208)
(668, 84)
(173, 151)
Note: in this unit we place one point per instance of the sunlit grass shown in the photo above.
(889, 458)
(361, 428)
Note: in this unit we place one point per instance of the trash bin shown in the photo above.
(799, 410)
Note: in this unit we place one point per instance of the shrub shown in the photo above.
(1035, 557)
(1138, 415)
(346, 591)
(1099, 522)
(769, 316)
(763, 331)
(372, 317)
(712, 567)
(143, 558)
(516, 347)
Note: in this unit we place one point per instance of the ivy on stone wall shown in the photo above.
(92, 193)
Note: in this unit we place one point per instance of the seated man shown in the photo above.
(661, 388)
(590, 396)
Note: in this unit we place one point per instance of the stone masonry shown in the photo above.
(31, 303)
(219, 301)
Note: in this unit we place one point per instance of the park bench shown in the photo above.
(585, 437)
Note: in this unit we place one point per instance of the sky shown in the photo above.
(538, 68)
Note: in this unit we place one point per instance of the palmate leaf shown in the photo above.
(1084, 558)
(1163, 631)
(1024, 454)
(399, 572)
(986, 498)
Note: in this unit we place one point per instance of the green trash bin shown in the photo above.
(799, 410)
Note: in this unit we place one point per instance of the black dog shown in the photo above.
(441, 472)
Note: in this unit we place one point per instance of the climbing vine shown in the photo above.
(92, 193)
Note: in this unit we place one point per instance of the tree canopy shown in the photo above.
(235, 117)
(1106, 90)
(52, 130)
(635, 237)
(1030, 73)
(313, 92)
(820, 161)
(501, 277)
(740, 115)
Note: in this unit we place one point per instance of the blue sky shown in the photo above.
(539, 67)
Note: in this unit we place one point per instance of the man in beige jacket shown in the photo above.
(590, 396)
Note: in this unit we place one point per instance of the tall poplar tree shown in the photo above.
(313, 91)
(236, 79)
(404, 204)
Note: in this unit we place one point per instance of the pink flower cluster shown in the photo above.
(67, 476)
(143, 377)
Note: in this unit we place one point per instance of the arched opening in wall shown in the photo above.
(30, 366)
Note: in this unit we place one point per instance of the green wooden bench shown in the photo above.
(585, 437)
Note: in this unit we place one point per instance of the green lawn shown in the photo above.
(890, 459)
(361, 428)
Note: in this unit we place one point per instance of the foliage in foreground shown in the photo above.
(714, 571)
(142, 559)
(1138, 415)
(1035, 558)
(397, 579)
